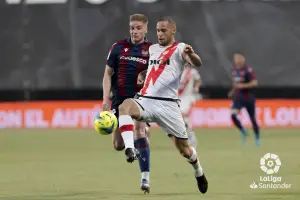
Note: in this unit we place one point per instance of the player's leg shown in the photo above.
(171, 121)
(251, 111)
(191, 134)
(130, 109)
(116, 135)
(118, 140)
(191, 155)
(141, 143)
(147, 130)
(235, 110)
(127, 111)
(185, 108)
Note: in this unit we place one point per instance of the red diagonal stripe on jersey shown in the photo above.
(154, 74)
(186, 80)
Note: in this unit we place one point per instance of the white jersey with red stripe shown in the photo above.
(187, 82)
(165, 68)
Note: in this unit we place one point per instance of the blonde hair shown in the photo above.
(138, 17)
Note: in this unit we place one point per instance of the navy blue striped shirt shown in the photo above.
(127, 61)
(243, 75)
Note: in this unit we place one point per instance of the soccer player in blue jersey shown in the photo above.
(242, 95)
(126, 61)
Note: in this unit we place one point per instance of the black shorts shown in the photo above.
(115, 104)
(241, 103)
(249, 105)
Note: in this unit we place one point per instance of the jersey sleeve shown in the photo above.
(150, 50)
(180, 50)
(112, 56)
(250, 74)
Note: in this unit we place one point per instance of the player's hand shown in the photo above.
(140, 80)
(188, 49)
(105, 104)
(230, 94)
(105, 107)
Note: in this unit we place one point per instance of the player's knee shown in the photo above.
(140, 130)
(233, 116)
(185, 152)
(119, 146)
(234, 112)
(147, 132)
(124, 107)
(253, 120)
(183, 147)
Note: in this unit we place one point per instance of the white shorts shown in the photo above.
(165, 113)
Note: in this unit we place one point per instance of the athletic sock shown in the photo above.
(142, 145)
(126, 130)
(194, 161)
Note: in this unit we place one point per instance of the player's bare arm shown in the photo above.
(251, 84)
(191, 57)
(106, 87)
(230, 93)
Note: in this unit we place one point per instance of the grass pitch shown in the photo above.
(81, 165)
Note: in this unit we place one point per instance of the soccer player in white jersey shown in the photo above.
(188, 93)
(158, 100)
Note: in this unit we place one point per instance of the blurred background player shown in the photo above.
(126, 60)
(158, 100)
(242, 95)
(188, 93)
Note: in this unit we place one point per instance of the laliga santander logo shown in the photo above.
(270, 163)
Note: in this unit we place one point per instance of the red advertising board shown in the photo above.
(80, 114)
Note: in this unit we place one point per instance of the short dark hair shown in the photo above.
(167, 19)
(138, 17)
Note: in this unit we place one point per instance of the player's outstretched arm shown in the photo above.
(190, 56)
(106, 87)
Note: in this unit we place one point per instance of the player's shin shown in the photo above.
(142, 145)
(256, 130)
(194, 161)
(126, 129)
(237, 123)
(255, 126)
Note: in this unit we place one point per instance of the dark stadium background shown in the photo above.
(58, 51)
(49, 150)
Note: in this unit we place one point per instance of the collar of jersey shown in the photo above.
(168, 45)
(130, 42)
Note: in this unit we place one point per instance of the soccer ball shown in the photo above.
(105, 123)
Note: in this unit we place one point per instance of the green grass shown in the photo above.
(81, 165)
